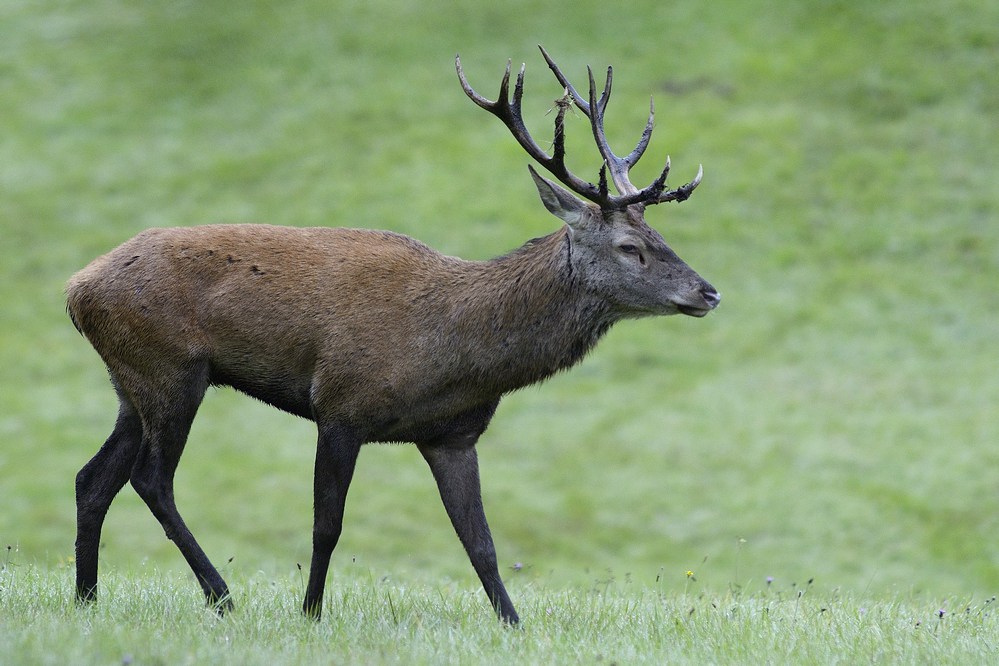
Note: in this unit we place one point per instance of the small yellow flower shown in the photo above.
(690, 574)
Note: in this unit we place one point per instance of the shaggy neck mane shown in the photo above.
(529, 313)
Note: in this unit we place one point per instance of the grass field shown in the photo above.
(833, 421)
(160, 619)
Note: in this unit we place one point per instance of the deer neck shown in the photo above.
(530, 313)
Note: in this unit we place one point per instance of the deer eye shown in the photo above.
(632, 250)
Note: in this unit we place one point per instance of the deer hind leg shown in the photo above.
(456, 470)
(97, 484)
(167, 412)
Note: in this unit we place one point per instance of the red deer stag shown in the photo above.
(372, 335)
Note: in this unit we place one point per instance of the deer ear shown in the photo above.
(560, 202)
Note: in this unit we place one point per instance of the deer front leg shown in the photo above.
(336, 455)
(456, 469)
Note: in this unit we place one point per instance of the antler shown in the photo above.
(510, 113)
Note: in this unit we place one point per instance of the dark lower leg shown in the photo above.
(97, 484)
(154, 483)
(336, 455)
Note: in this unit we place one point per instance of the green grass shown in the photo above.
(834, 419)
(156, 618)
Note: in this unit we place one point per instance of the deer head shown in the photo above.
(616, 253)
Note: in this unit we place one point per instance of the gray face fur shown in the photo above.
(625, 260)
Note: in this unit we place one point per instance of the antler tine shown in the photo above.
(643, 141)
(653, 191)
(655, 194)
(511, 115)
(618, 167)
(605, 95)
(476, 97)
(683, 192)
(583, 105)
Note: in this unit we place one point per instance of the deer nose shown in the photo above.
(711, 297)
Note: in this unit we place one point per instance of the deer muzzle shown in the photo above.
(706, 300)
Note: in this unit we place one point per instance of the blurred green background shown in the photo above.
(833, 419)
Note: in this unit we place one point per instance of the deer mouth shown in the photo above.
(692, 311)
